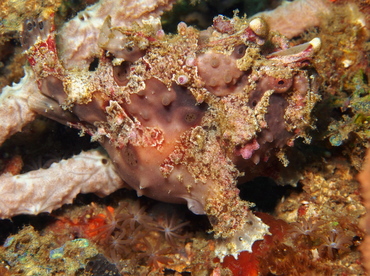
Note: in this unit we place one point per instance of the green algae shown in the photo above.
(30, 253)
(357, 108)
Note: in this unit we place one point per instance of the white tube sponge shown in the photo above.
(78, 37)
(293, 18)
(15, 112)
(44, 190)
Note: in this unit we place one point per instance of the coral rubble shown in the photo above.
(28, 251)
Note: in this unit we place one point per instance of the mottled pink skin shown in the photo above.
(180, 130)
(231, 80)
(173, 111)
(247, 150)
